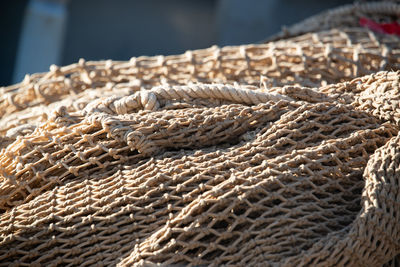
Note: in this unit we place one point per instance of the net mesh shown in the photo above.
(312, 60)
(285, 153)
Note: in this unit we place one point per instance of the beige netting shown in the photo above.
(284, 153)
(344, 16)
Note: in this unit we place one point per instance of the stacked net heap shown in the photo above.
(284, 153)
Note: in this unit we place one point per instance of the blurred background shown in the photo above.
(38, 33)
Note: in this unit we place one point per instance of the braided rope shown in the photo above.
(150, 100)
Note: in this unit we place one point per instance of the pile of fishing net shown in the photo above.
(282, 153)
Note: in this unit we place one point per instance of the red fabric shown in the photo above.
(388, 28)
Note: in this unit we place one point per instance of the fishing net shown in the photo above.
(285, 153)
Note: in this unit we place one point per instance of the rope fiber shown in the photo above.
(285, 153)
